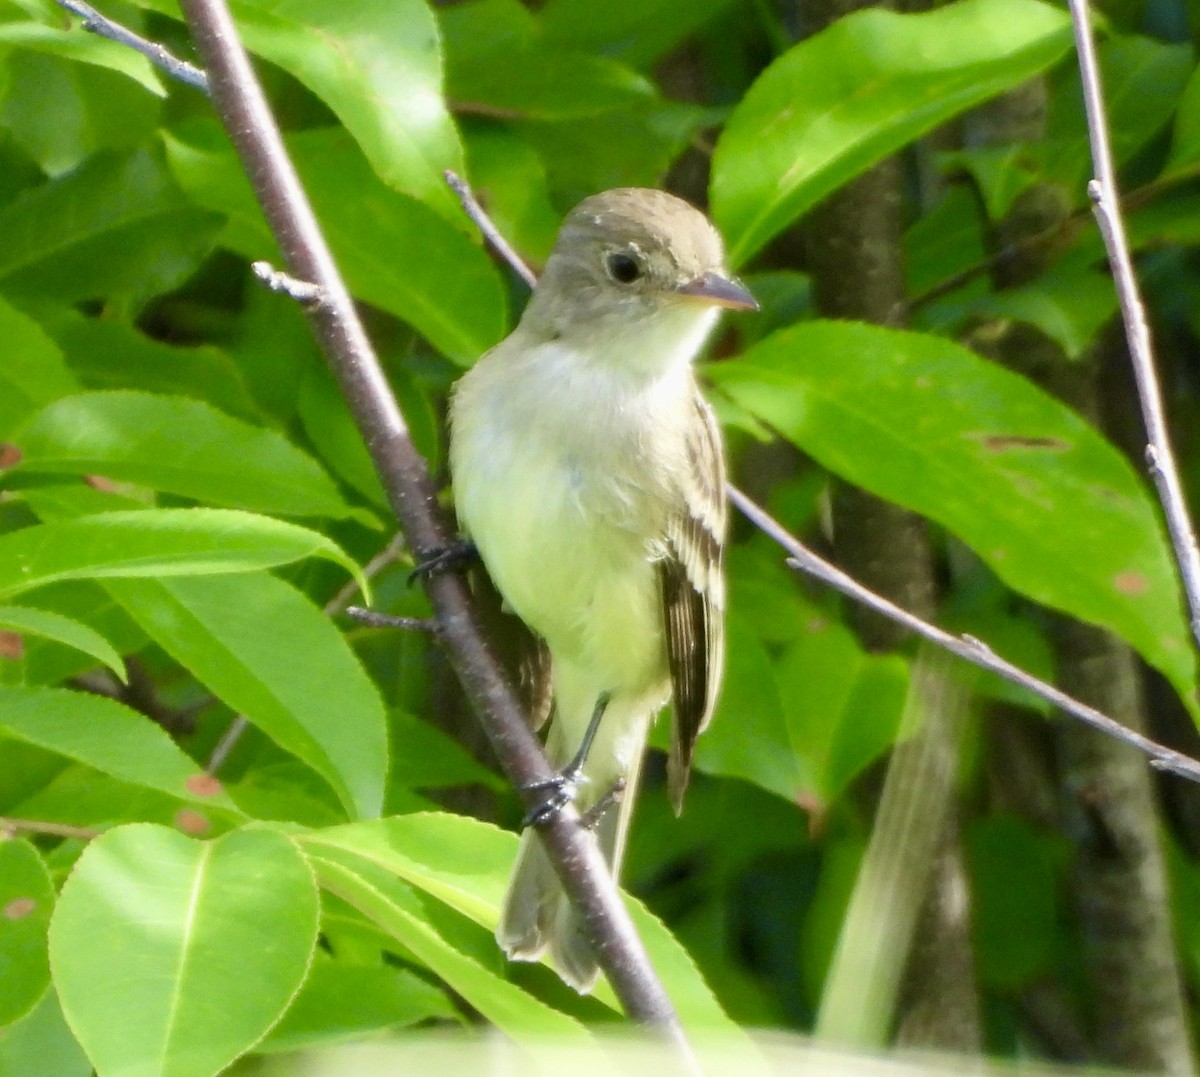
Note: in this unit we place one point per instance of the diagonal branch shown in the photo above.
(966, 647)
(239, 102)
(1106, 204)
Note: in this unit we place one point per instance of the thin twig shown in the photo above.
(102, 26)
(966, 647)
(375, 619)
(243, 110)
(10, 828)
(488, 229)
(1106, 203)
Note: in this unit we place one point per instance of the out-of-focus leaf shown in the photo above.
(1045, 501)
(1185, 145)
(120, 211)
(395, 252)
(75, 44)
(41, 1043)
(62, 112)
(497, 63)
(268, 652)
(840, 101)
(26, 899)
(215, 939)
(155, 542)
(636, 31)
(340, 1001)
(178, 446)
(32, 373)
(36, 622)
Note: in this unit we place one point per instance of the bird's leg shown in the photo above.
(592, 817)
(561, 787)
(435, 560)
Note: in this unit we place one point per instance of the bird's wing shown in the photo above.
(693, 594)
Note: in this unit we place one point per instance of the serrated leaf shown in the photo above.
(155, 542)
(1052, 507)
(214, 938)
(109, 737)
(65, 630)
(180, 446)
(270, 654)
(838, 102)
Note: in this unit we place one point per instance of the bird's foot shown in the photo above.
(437, 560)
(560, 791)
(592, 817)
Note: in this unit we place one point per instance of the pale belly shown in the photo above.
(559, 539)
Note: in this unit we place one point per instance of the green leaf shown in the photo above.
(1045, 501)
(61, 113)
(270, 654)
(65, 630)
(636, 31)
(41, 1043)
(389, 903)
(423, 757)
(1185, 145)
(847, 97)
(178, 446)
(496, 63)
(377, 65)
(465, 863)
(119, 211)
(340, 1002)
(32, 374)
(107, 354)
(155, 542)
(395, 253)
(109, 737)
(26, 899)
(172, 957)
(75, 44)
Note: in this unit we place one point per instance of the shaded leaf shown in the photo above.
(26, 900)
(33, 372)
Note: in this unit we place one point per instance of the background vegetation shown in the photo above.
(936, 391)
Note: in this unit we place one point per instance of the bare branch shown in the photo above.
(488, 229)
(375, 619)
(966, 647)
(242, 108)
(304, 293)
(1105, 201)
(103, 26)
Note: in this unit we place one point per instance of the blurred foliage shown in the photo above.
(184, 504)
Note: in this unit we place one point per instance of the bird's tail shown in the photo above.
(537, 916)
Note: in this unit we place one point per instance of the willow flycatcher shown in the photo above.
(588, 472)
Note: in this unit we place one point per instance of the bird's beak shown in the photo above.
(722, 291)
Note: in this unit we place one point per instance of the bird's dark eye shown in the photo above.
(623, 269)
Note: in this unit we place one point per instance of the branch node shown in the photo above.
(1095, 191)
(308, 295)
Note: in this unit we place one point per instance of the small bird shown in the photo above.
(588, 473)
